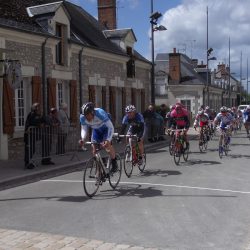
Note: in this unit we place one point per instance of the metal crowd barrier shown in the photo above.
(48, 141)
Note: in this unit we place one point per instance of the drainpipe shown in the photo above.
(44, 76)
(80, 78)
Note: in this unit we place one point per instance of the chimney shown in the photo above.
(222, 67)
(107, 13)
(174, 50)
(174, 68)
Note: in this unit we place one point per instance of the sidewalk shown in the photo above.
(21, 240)
(12, 172)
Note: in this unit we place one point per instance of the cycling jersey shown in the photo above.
(224, 120)
(102, 126)
(179, 120)
(136, 125)
(202, 119)
(246, 116)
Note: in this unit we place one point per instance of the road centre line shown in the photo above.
(163, 185)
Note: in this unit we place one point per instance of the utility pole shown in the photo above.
(229, 75)
(207, 63)
(240, 76)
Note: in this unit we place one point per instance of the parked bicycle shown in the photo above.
(97, 171)
(132, 154)
(224, 141)
(180, 146)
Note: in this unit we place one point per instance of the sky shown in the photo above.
(186, 23)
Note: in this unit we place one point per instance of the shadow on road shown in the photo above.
(201, 162)
(55, 198)
(236, 156)
(239, 144)
(159, 172)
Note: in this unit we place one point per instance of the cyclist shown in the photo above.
(102, 130)
(179, 120)
(225, 119)
(246, 119)
(202, 119)
(135, 122)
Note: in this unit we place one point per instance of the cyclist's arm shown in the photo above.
(84, 132)
(110, 127)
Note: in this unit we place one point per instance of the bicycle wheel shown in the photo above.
(171, 148)
(185, 152)
(127, 161)
(144, 160)
(220, 150)
(177, 155)
(114, 177)
(91, 177)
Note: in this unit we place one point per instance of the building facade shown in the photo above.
(66, 55)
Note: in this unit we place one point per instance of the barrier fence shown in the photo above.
(42, 143)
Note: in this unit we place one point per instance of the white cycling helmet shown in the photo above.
(223, 109)
(130, 108)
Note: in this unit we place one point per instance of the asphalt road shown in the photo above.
(201, 204)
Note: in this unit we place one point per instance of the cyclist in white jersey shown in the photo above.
(102, 129)
(225, 119)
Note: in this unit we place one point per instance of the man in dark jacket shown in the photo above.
(34, 134)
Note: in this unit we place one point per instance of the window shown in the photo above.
(187, 104)
(59, 94)
(19, 107)
(130, 64)
(60, 50)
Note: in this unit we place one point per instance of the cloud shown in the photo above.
(187, 28)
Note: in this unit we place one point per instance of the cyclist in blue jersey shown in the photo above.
(102, 129)
(225, 119)
(246, 119)
(135, 122)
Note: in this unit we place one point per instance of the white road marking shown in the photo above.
(162, 185)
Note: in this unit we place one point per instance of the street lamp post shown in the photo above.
(154, 27)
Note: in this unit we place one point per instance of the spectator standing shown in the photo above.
(34, 119)
(64, 128)
(149, 117)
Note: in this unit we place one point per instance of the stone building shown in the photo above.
(66, 55)
(181, 79)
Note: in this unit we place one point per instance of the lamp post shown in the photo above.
(154, 27)
(240, 75)
(229, 74)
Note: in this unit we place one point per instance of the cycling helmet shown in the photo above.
(223, 109)
(201, 111)
(88, 108)
(130, 108)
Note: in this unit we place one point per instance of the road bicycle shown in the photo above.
(171, 141)
(180, 146)
(97, 171)
(204, 137)
(224, 141)
(132, 154)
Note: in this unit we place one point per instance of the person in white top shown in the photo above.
(64, 127)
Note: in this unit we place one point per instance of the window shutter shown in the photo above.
(52, 92)
(63, 44)
(104, 103)
(92, 93)
(112, 103)
(73, 102)
(123, 98)
(142, 100)
(133, 97)
(8, 108)
(36, 90)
